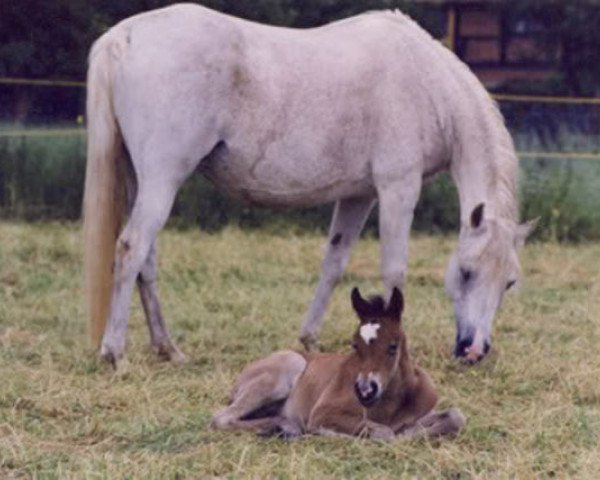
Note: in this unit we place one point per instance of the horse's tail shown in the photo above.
(104, 200)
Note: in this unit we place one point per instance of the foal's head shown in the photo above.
(378, 344)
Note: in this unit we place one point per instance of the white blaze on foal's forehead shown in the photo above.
(368, 331)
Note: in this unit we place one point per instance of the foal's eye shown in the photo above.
(354, 346)
(465, 275)
(510, 284)
(392, 349)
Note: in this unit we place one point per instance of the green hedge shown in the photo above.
(41, 178)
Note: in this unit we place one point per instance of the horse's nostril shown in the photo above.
(464, 350)
(461, 348)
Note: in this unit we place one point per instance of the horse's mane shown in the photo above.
(503, 168)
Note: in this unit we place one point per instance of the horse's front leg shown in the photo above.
(348, 220)
(397, 201)
(159, 335)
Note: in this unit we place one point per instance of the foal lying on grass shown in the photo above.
(375, 391)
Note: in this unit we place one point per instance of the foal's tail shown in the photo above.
(104, 201)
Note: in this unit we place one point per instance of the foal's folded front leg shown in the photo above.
(333, 421)
(434, 424)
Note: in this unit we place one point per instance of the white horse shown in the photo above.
(362, 110)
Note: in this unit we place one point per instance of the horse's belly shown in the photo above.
(285, 180)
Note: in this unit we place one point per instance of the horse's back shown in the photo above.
(298, 116)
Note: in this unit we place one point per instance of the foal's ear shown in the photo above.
(524, 230)
(359, 304)
(396, 305)
(477, 216)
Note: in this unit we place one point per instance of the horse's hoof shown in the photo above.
(122, 367)
(177, 357)
(309, 340)
(169, 352)
(110, 356)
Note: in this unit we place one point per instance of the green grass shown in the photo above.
(533, 406)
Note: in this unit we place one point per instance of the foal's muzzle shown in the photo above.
(367, 390)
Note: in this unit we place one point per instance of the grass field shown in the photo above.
(533, 406)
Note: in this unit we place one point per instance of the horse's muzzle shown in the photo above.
(367, 391)
(466, 351)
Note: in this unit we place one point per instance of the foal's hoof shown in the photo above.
(221, 420)
(309, 340)
(457, 421)
(381, 433)
(169, 352)
(283, 431)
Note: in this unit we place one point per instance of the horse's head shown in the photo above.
(484, 266)
(378, 344)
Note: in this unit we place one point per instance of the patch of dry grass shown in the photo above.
(533, 406)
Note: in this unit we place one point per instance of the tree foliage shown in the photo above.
(574, 29)
(51, 39)
(44, 39)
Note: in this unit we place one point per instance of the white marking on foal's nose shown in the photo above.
(368, 332)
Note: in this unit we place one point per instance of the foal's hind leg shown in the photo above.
(253, 395)
(159, 335)
(348, 221)
(263, 383)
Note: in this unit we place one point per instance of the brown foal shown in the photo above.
(374, 391)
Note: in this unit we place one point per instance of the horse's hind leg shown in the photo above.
(149, 213)
(159, 335)
(348, 221)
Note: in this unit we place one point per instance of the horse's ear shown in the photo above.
(359, 304)
(477, 216)
(396, 305)
(524, 230)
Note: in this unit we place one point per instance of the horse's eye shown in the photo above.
(465, 275)
(354, 346)
(392, 349)
(510, 284)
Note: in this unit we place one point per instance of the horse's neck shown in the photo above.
(484, 163)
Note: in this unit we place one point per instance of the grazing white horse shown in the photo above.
(362, 110)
